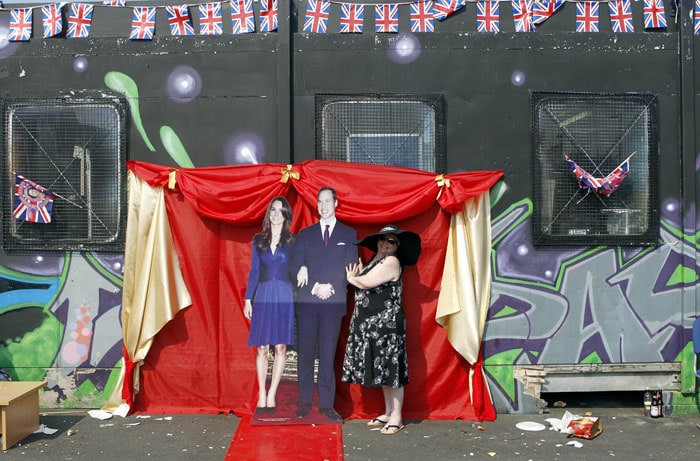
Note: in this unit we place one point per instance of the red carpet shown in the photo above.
(285, 413)
(301, 443)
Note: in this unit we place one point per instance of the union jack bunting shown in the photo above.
(79, 20)
(386, 18)
(179, 20)
(317, 16)
(696, 17)
(143, 23)
(120, 3)
(242, 16)
(544, 9)
(33, 202)
(269, 10)
(352, 16)
(51, 20)
(422, 16)
(210, 19)
(487, 16)
(443, 8)
(621, 15)
(20, 25)
(654, 14)
(522, 15)
(587, 16)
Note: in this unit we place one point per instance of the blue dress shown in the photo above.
(270, 289)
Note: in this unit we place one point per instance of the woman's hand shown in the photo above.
(248, 309)
(353, 269)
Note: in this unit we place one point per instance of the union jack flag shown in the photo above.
(114, 2)
(317, 16)
(487, 16)
(268, 15)
(544, 9)
(33, 202)
(587, 16)
(654, 14)
(443, 8)
(352, 16)
(179, 20)
(386, 18)
(422, 16)
(621, 15)
(603, 186)
(210, 19)
(522, 15)
(242, 16)
(143, 23)
(696, 17)
(20, 25)
(79, 20)
(51, 20)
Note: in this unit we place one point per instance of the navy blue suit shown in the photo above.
(318, 321)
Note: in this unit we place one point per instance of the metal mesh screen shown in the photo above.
(598, 132)
(76, 148)
(398, 130)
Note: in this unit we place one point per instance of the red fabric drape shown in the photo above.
(200, 361)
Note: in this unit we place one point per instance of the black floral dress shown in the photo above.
(375, 354)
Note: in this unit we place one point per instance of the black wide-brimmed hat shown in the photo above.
(409, 243)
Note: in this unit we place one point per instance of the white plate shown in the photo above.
(530, 426)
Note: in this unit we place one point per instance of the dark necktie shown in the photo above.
(326, 235)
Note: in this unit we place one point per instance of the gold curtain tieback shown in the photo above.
(287, 173)
(171, 179)
(441, 181)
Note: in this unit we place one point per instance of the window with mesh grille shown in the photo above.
(382, 129)
(76, 148)
(604, 136)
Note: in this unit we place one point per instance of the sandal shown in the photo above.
(374, 422)
(391, 429)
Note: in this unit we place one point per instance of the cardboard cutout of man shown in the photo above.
(321, 251)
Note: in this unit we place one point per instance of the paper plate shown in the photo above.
(530, 426)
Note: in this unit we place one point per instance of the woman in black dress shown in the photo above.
(375, 355)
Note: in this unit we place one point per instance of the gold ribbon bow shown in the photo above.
(287, 173)
(171, 179)
(441, 181)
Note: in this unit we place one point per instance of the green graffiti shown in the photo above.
(497, 366)
(31, 355)
(122, 83)
(682, 275)
(592, 358)
(174, 147)
(497, 192)
(505, 312)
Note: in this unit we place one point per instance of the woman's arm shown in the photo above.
(387, 270)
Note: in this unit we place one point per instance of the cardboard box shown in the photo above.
(585, 428)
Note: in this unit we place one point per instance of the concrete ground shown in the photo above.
(627, 434)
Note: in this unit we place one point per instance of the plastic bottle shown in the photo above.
(647, 402)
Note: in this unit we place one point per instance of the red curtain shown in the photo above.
(200, 361)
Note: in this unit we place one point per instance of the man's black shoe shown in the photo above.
(303, 411)
(331, 414)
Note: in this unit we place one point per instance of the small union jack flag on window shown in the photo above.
(33, 203)
(317, 16)
(352, 16)
(210, 19)
(654, 14)
(143, 23)
(444, 8)
(544, 9)
(386, 18)
(51, 20)
(179, 20)
(587, 17)
(621, 16)
(269, 10)
(487, 16)
(79, 20)
(242, 17)
(20, 25)
(522, 15)
(422, 16)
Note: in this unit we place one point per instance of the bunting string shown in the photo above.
(423, 14)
